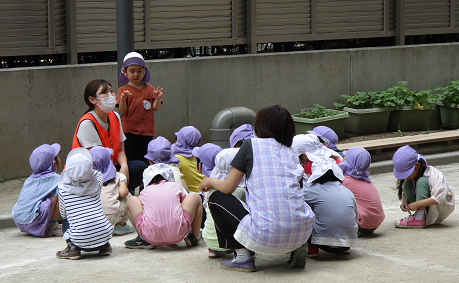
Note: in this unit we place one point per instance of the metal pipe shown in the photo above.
(124, 31)
(227, 119)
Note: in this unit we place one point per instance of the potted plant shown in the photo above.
(413, 108)
(448, 101)
(368, 112)
(309, 118)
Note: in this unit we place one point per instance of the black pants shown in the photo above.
(136, 169)
(136, 147)
(227, 212)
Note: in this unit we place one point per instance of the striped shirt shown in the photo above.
(88, 227)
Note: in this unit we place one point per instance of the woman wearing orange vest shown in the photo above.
(101, 126)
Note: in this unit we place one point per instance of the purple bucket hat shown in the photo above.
(102, 162)
(326, 134)
(356, 163)
(41, 160)
(207, 154)
(405, 159)
(159, 151)
(187, 138)
(134, 58)
(241, 133)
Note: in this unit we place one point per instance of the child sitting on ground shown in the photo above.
(240, 134)
(220, 171)
(85, 226)
(356, 179)
(335, 224)
(188, 138)
(422, 189)
(159, 151)
(114, 190)
(36, 210)
(163, 214)
(328, 138)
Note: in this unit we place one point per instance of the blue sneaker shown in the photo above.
(122, 228)
(246, 265)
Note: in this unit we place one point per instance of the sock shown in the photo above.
(242, 255)
(52, 222)
(419, 215)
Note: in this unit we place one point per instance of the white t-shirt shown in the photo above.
(87, 133)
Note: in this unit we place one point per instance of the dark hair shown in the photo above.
(91, 91)
(156, 179)
(275, 122)
(239, 143)
(400, 182)
(327, 177)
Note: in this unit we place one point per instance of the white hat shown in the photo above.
(311, 146)
(158, 169)
(223, 163)
(319, 168)
(78, 177)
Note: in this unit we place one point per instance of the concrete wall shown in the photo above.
(43, 105)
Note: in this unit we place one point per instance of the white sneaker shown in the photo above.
(55, 230)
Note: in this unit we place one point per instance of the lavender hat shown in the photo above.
(405, 159)
(356, 164)
(134, 58)
(241, 133)
(187, 138)
(41, 160)
(207, 154)
(326, 134)
(159, 151)
(102, 162)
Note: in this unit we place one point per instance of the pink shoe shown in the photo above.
(410, 222)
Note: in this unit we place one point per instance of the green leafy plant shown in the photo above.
(398, 95)
(317, 112)
(450, 94)
(399, 133)
(402, 96)
(2, 180)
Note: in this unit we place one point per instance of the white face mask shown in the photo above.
(108, 103)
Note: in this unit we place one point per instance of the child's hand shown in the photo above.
(125, 94)
(404, 205)
(413, 206)
(158, 93)
(205, 186)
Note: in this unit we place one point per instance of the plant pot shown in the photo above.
(367, 121)
(449, 115)
(335, 122)
(409, 119)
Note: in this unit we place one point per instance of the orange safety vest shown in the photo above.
(110, 138)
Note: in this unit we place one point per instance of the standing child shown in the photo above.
(356, 179)
(422, 189)
(159, 151)
(163, 214)
(137, 102)
(188, 138)
(335, 224)
(114, 190)
(36, 210)
(85, 226)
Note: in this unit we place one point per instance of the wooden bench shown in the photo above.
(438, 139)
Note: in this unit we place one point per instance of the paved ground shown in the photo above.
(390, 255)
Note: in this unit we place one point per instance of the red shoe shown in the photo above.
(410, 222)
(313, 251)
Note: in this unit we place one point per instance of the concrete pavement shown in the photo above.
(390, 255)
